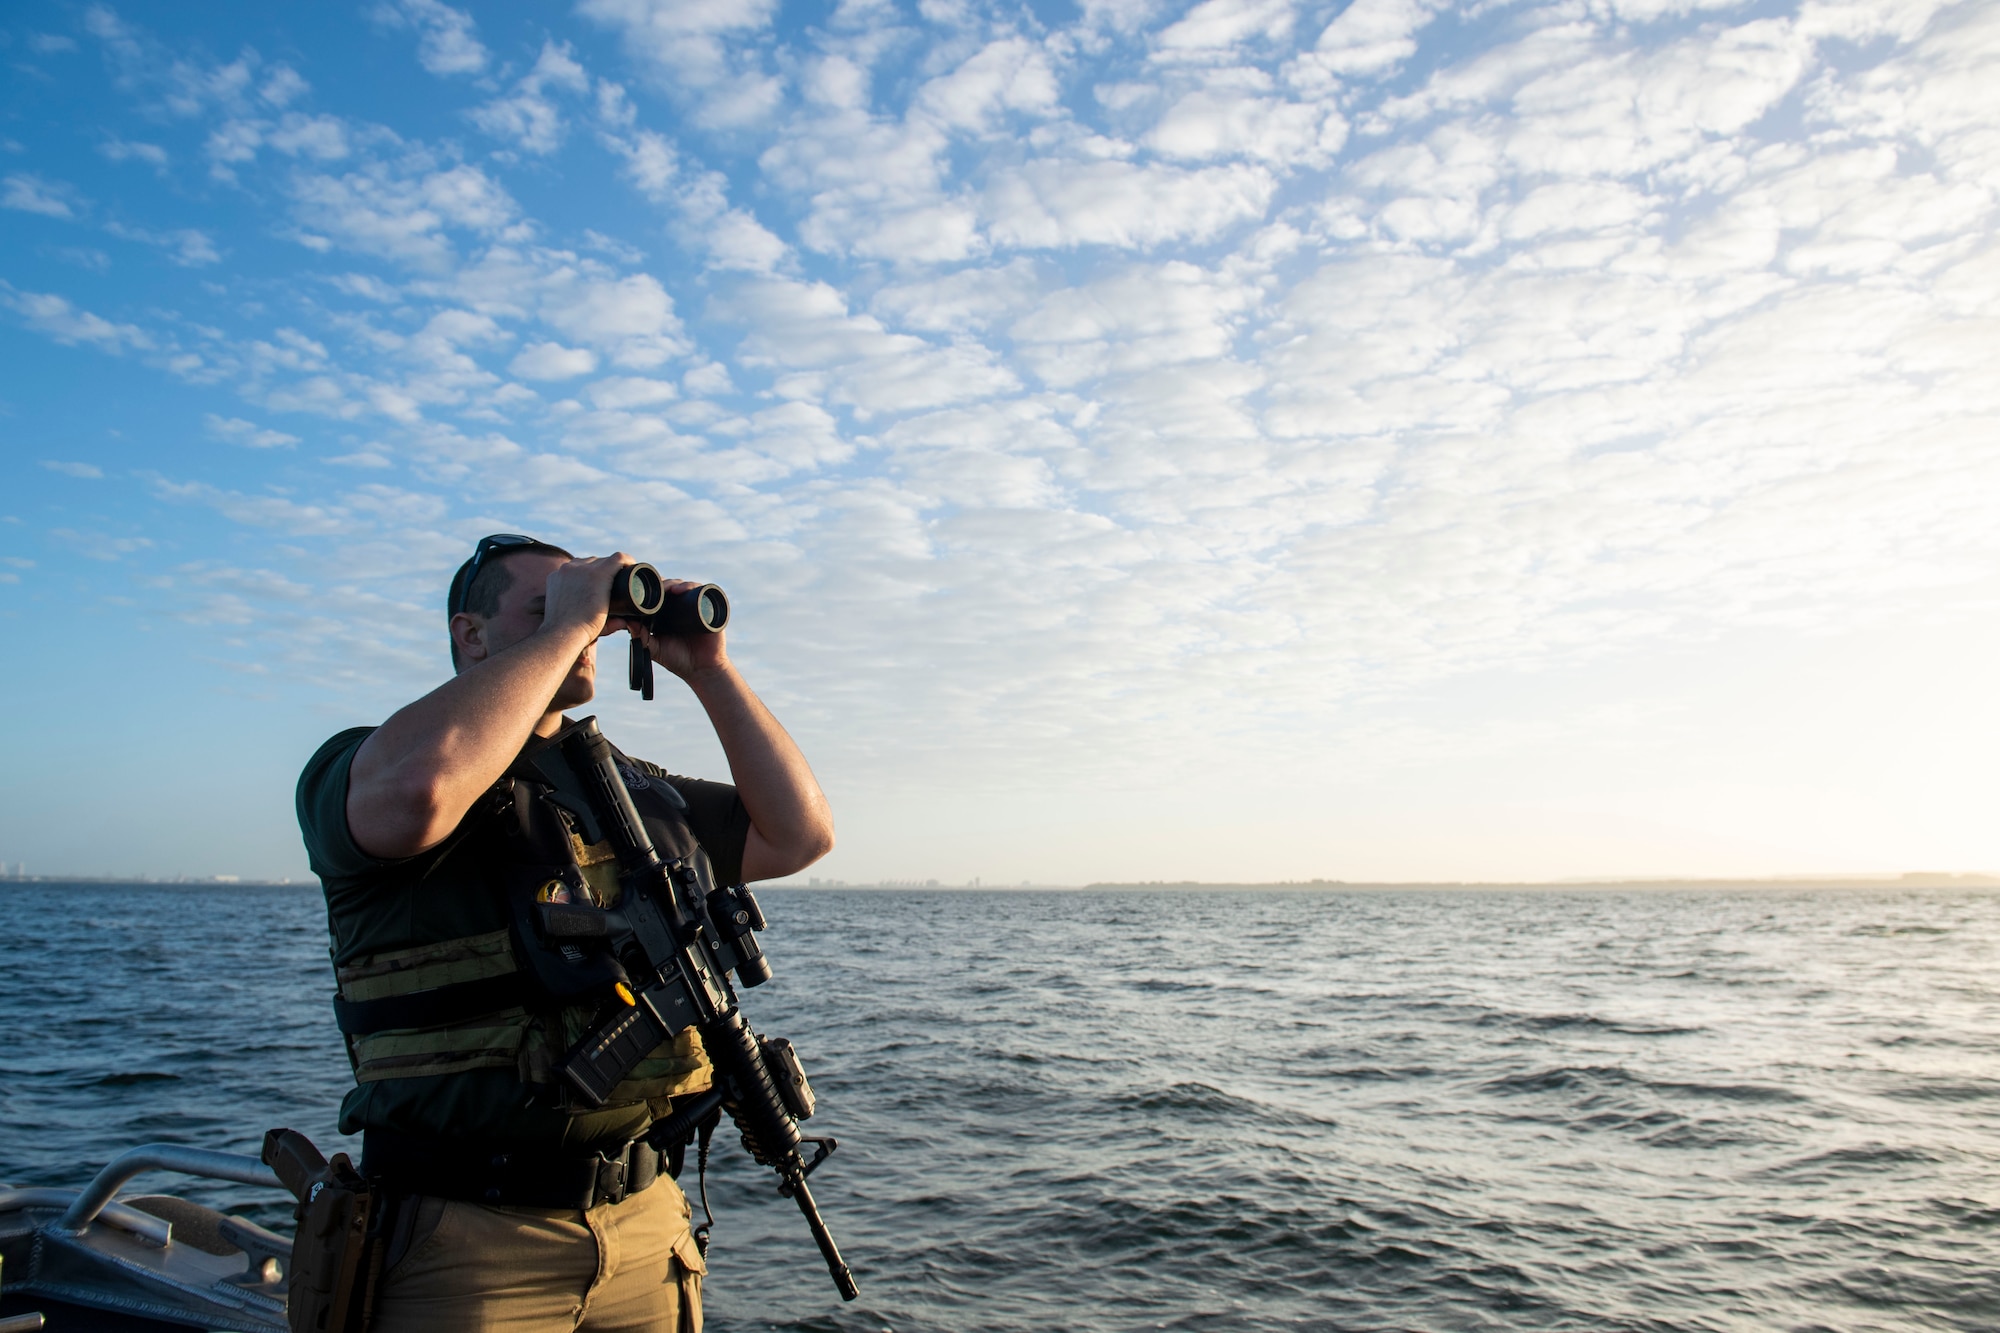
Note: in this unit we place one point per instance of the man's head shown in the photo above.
(496, 601)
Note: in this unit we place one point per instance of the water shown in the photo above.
(1597, 1110)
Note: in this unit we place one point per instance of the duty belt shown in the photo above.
(521, 1178)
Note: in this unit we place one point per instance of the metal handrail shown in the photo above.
(152, 1230)
(161, 1157)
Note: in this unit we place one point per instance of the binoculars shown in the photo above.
(639, 593)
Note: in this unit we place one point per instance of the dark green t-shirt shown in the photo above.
(376, 906)
(355, 882)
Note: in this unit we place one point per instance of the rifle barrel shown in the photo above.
(842, 1277)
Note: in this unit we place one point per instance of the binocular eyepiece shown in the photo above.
(639, 593)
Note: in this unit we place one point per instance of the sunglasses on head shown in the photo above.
(498, 541)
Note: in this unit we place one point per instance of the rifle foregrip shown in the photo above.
(759, 1108)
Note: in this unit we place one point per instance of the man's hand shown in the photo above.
(414, 778)
(682, 654)
(790, 824)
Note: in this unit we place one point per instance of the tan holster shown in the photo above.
(336, 1251)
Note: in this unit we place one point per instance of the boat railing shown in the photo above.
(205, 1162)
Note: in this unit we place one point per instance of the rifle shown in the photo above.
(678, 938)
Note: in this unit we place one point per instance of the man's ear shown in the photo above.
(469, 633)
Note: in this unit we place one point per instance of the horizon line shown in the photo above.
(1834, 880)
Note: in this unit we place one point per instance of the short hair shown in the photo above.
(491, 583)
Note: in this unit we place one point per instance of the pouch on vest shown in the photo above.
(335, 1258)
(567, 971)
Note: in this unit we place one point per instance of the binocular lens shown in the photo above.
(638, 590)
(699, 610)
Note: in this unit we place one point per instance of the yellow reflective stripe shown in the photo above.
(491, 1043)
(428, 966)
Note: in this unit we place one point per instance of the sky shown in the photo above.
(1254, 440)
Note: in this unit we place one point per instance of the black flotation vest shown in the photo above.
(432, 1026)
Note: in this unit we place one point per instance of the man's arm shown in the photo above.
(417, 774)
(791, 825)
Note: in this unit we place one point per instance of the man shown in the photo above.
(520, 1207)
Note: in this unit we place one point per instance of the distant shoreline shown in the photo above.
(1911, 880)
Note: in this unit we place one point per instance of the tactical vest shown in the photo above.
(459, 1034)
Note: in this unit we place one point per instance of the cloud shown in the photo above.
(1370, 37)
(186, 246)
(628, 391)
(123, 150)
(1008, 74)
(686, 47)
(1216, 28)
(283, 86)
(631, 319)
(1257, 374)
(1208, 124)
(247, 433)
(401, 212)
(55, 317)
(1054, 204)
(25, 192)
(527, 116)
(100, 545)
(183, 86)
(807, 330)
(85, 471)
(83, 257)
(552, 361)
(446, 41)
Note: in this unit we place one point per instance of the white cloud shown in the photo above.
(689, 48)
(1209, 124)
(184, 86)
(709, 379)
(186, 246)
(26, 192)
(322, 138)
(1217, 27)
(623, 392)
(552, 361)
(1327, 362)
(447, 43)
(962, 301)
(1009, 74)
(1055, 204)
(526, 116)
(1135, 320)
(54, 316)
(283, 86)
(402, 214)
(247, 433)
(650, 162)
(123, 150)
(807, 330)
(1370, 37)
(84, 471)
(631, 319)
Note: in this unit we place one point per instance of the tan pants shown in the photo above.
(472, 1268)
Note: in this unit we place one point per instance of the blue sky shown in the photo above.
(1256, 439)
